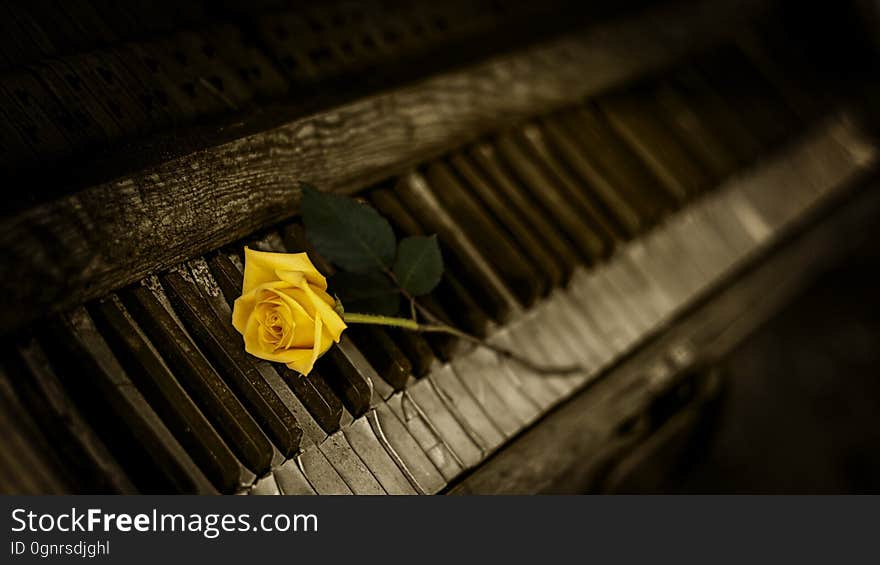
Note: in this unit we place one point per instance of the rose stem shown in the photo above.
(355, 318)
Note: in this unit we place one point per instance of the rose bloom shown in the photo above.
(284, 311)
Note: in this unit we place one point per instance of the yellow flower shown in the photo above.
(284, 311)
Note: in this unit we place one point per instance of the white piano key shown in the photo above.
(482, 368)
(291, 480)
(425, 398)
(462, 405)
(264, 486)
(664, 291)
(320, 473)
(583, 320)
(584, 289)
(424, 430)
(363, 441)
(575, 330)
(419, 469)
(349, 466)
(532, 341)
(536, 387)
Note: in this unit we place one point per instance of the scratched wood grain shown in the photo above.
(61, 253)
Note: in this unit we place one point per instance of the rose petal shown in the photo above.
(260, 267)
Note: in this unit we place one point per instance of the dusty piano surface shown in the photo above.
(632, 193)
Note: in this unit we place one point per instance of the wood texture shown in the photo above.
(108, 235)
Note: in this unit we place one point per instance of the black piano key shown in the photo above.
(224, 346)
(630, 114)
(590, 207)
(383, 354)
(27, 464)
(748, 93)
(493, 244)
(487, 158)
(452, 300)
(355, 391)
(547, 196)
(601, 144)
(90, 465)
(171, 402)
(460, 257)
(416, 349)
(320, 401)
(195, 373)
(144, 445)
(316, 395)
(543, 263)
(716, 113)
(625, 213)
(695, 132)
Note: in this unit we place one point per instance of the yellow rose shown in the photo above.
(284, 311)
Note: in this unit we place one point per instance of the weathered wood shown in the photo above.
(82, 246)
(569, 449)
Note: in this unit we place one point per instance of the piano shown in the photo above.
(632, 189)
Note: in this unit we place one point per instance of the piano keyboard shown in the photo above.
(571, 239)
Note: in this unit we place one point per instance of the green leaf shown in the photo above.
(366, 293)
(348, 233)
(419, 264)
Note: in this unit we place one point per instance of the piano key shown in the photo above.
(481, 380)
(214, 397)
(349, 384)
(363, 441)
(758, 106)
(591, 243)
(668, 289)
(562, 250)
(77, 444)
(490, 368)
(537, 338)
(486, 285)
(146, 446)
(359, 363)
(224, 346)
(320, 473)
(640, 310)
(624, 211)
(631, 116)
(506, 259)
(26, 462)
(599, 141)
(349, 466)
(715, 112)
(584, 290)
(415, 348)
(694, 131)
(583, 320)
(422, 401)
(418, 465)
(424, 433)
(451, 300)
(220, 293)
(578, 329)
(541, 260)
(265, 486)
(291, 481)
(383, 354)
(458, 400)
(587, 202)
(171, 402)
